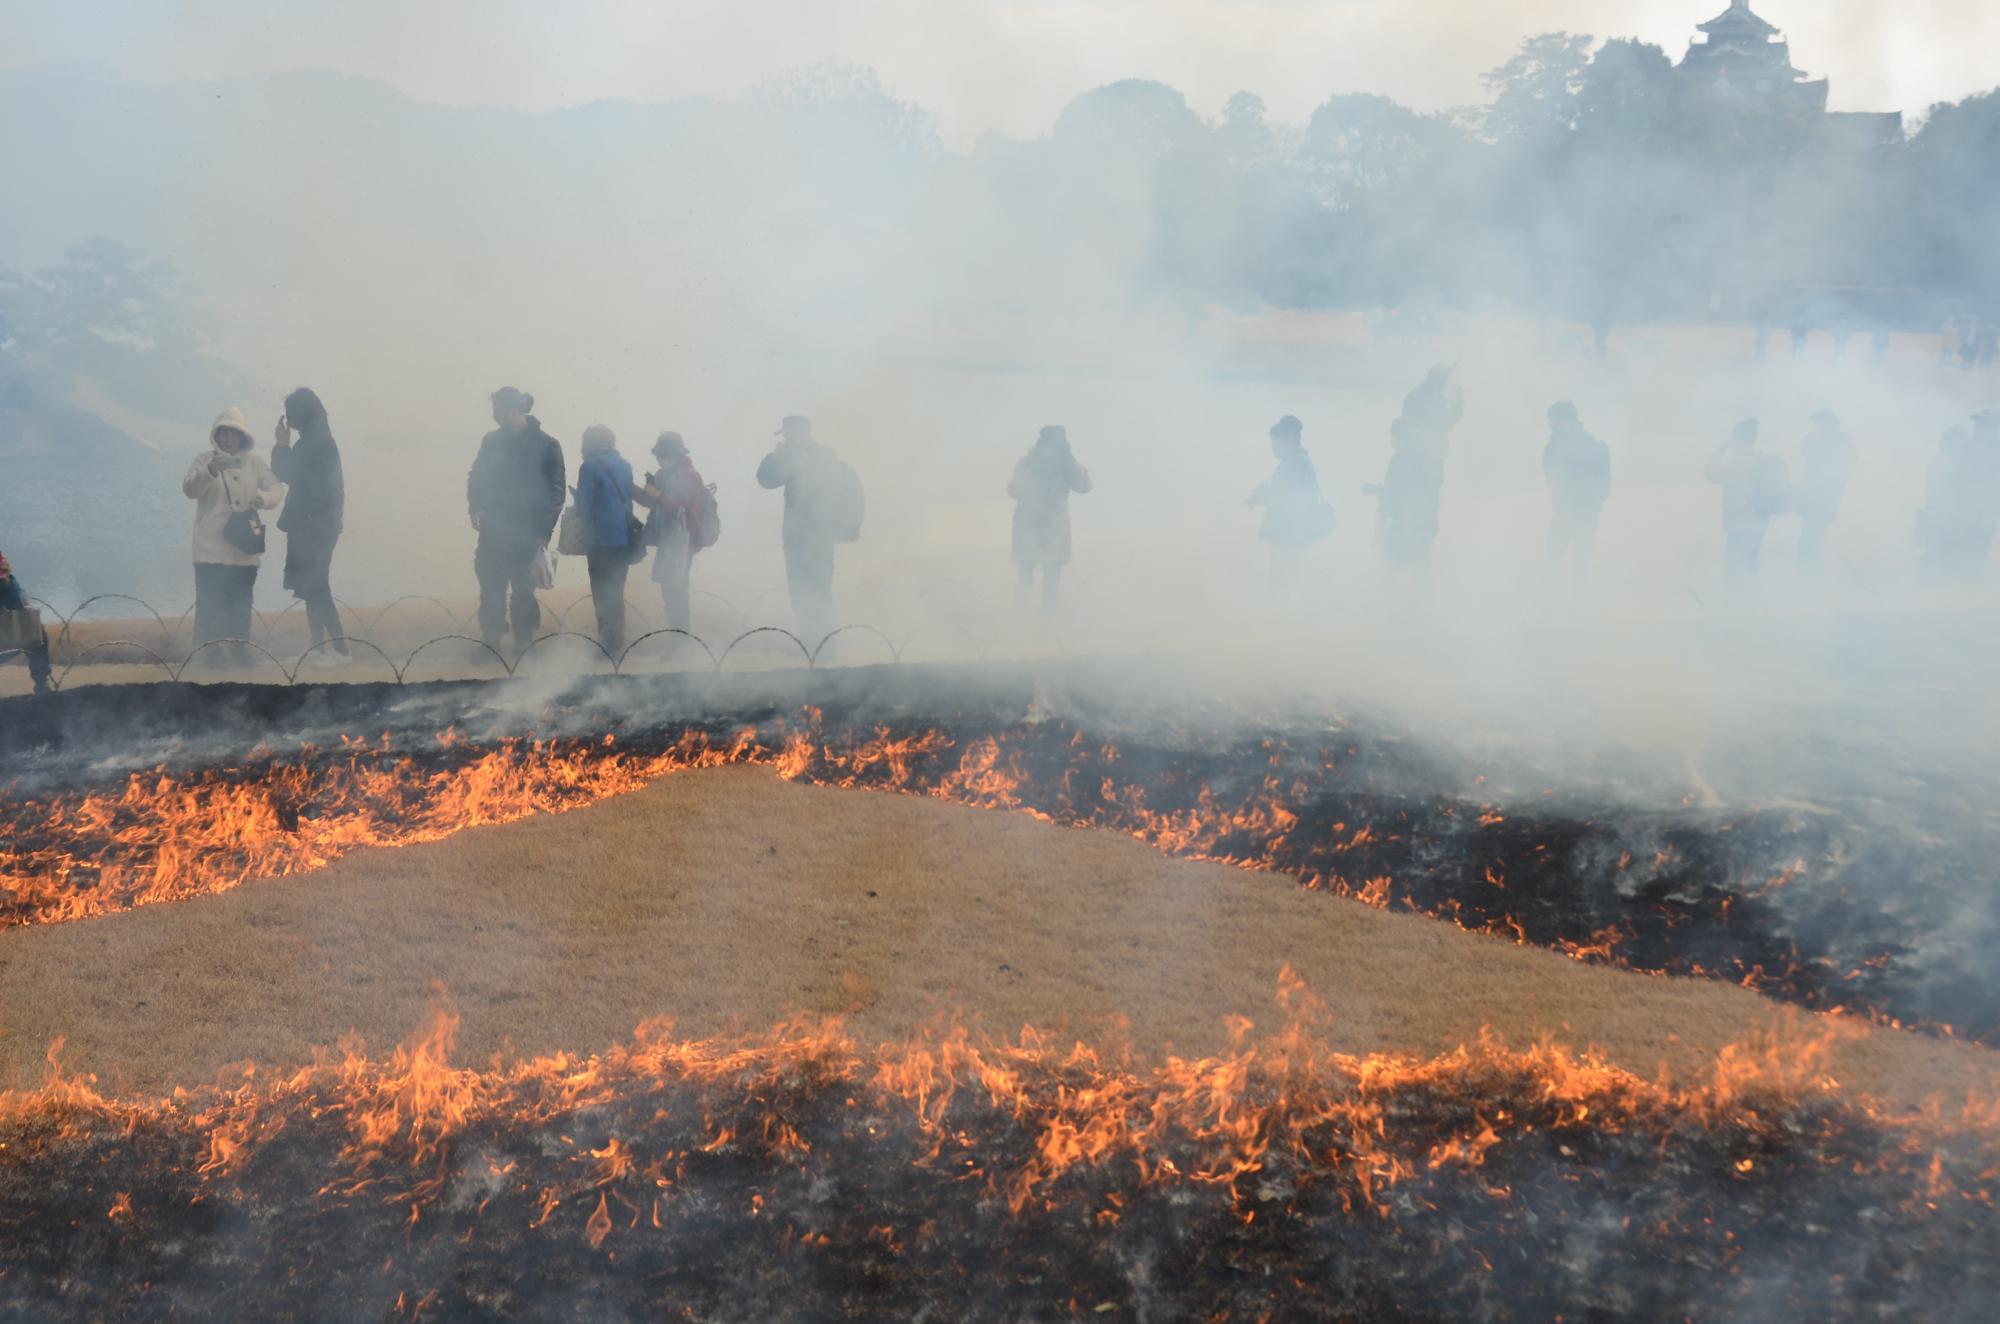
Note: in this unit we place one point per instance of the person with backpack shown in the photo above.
(1755, 487)
(1577, 467)
(514, 495)
(24, 628)
(1042, 482)
(681, 521)
(228, 486)
(611, 534)
(315, 507)
(822, 507)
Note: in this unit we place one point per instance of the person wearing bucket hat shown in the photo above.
(678, 503)
(514, 495)
(1042, 482)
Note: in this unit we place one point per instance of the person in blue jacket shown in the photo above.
(604, 496)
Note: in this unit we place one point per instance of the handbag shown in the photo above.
(635, 538)
(243, 530)
(573, 534)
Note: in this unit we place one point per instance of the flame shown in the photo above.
(1284, 1102)
(165, 836)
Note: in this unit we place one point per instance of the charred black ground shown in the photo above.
(1810, 1213)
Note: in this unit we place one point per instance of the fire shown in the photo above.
(165, 836)
(621, 1149)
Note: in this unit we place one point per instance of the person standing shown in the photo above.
(314, 513)
(15, 598)
(1829, 459)
(604, 498)
(1042, 482)
(1407, 502)
(1755, 487)
(676, 499)
(1295, 514)
(1935, 517)
(822, 507)
(228, 485)
(1577, 467)
(514, 495)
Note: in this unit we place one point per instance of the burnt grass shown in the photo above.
(1813, 1214)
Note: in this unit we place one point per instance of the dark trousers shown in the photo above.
(222, 610)
(13, 599)
(1743, 548)
(1571, 528)
(323, 618)
(608, 568)
(506, 566)
(1051, 585)
(809, 575)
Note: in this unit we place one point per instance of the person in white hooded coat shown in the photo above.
(222, 481)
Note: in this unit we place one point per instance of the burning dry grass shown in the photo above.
(730, 899)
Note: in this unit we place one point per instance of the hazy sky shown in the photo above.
(977, 64)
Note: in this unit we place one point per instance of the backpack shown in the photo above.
(844, 505)
(705, 521)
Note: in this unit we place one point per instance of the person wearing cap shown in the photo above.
(225, 481)
(1755, 487)
(808, 472)
(1577, 468)
(1828, 460)
(1295, 514)
(674, 498)
(514, 495)
(1042, 482)
(15, 598)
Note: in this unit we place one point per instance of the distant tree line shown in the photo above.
(1595, 182)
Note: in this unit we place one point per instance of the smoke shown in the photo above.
(1139, 266)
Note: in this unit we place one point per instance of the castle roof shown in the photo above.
(1739, 22)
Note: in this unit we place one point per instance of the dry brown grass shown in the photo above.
(730, 899)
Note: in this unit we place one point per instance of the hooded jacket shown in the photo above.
(242, 482)
(517, 484)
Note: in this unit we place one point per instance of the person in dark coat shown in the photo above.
(514, 495)
(1407, 509)
(806, 470)
(15, 598)
(1577, 467)
(1829, 459)
(1296, 515)
(1971, 503)
(1755, 487)
(604, 497)
(1042, 482)
(314, 513)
